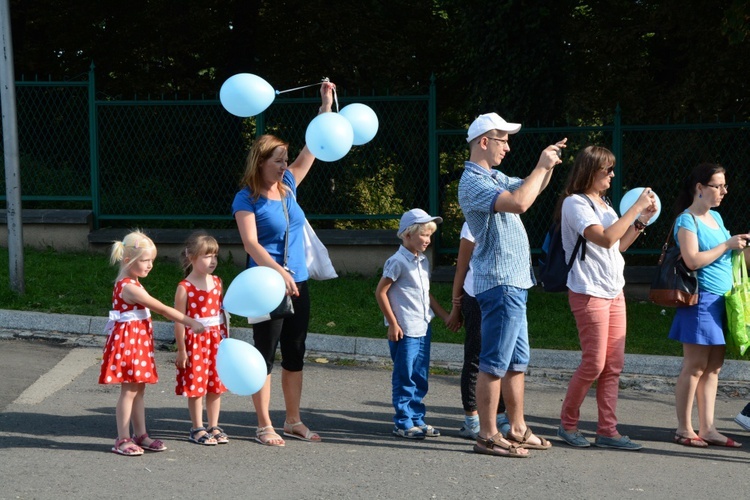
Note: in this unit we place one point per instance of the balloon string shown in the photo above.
(297, 88)
(335, 97)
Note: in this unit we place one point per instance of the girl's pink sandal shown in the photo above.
(131, 450)
(155, 445)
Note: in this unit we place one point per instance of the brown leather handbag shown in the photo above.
(675, 285)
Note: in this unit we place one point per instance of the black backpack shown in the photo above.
(553, 270)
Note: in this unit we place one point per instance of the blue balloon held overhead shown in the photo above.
(364, 122)
(329, 136)
(629, 198)
(255, 292)
(241, 367)
(246, 95)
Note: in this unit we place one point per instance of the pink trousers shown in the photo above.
(601, 330)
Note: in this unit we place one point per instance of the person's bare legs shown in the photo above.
(706, 394)
(694, 363)
(262, 402)
(213, 408)
(291, 385)
(513, 384)
(124, 409)
(488, 396)
(138, 416)
(195, 406)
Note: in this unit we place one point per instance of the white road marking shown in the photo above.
(59, 376)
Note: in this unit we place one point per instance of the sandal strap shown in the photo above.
(132, 446)
(493, 442)
(139, 439)
(195, 431)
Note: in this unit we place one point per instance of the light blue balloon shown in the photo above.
(255, 292)
(246, 95)
(629, 198)
(241, 367)
(329, 136)
(364, 122)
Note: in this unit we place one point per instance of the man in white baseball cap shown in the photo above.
(492, 203)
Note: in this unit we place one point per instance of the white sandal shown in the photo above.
(264, 431)
(307, 436)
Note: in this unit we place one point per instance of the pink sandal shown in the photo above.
(131, 450)
(155, 445)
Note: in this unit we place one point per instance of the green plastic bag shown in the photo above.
(738, 307)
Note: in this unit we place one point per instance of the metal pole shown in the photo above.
(621, 164)
(10, 143)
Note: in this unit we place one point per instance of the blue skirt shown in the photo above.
(701, 324)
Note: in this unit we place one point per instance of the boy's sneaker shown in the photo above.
(429, 431)
(468, 432)
(743, 421)
(413, 433)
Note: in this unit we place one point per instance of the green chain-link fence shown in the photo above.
(177, 163)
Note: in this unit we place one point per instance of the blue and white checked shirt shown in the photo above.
(502, 255)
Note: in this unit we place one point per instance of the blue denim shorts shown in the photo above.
(505, 332)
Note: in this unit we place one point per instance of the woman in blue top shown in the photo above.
(269, 183)
(706, 247)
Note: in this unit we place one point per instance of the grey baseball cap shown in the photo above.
(415, 216)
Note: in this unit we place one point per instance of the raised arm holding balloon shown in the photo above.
(301, 166)
(270, 222)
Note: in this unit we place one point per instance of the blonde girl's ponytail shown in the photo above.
(116, 253)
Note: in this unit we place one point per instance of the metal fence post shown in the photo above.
(93, 147)
(11, 154)
(617, 150)
(433, 166)
(260, 124)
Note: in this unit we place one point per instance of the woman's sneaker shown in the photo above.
(573, 438)
(624, 443)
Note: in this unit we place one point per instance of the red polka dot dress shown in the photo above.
(129, 350)
(199, 375)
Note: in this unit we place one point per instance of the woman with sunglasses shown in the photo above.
(705, 245)
(595, 292)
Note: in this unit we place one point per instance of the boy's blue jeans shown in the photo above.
(411, 364)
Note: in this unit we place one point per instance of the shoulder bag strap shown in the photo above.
(286, 235)
(669, 235)
(581, 242)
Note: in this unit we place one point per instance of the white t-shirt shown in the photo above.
(601, 274)
(469, 280)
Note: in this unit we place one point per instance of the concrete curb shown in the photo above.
(452, 354)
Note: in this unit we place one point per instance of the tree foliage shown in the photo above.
(567, 60)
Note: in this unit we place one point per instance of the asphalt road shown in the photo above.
(57, 427)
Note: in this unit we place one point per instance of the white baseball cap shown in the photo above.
(490, 121)
(415, 216)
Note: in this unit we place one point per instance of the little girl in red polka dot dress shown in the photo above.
(199, 297)
(128, 357)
